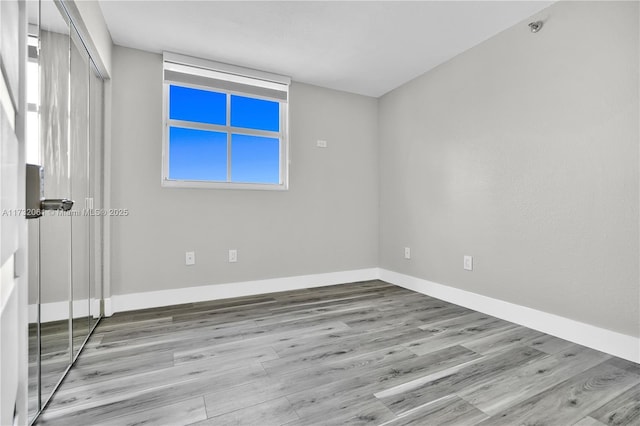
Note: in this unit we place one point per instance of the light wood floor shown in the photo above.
(55, 355)
(363, 353)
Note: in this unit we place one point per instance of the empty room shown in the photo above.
(272, 213)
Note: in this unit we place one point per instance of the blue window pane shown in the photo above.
(255, 159)
(253, 113)
(202, 106)
(197, 155)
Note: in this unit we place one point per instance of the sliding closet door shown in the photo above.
(65, 124)
(54, 246)
(79, 151)
(32, 143)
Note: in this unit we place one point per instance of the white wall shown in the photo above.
(523, 152)
(326, 222)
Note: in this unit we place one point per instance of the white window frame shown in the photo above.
(233, 75)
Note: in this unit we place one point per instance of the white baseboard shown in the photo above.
(56, 311)
(108, 307)
(611, 342)
(153, 299)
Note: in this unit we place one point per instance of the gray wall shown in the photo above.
(523, 152)
(326, 222)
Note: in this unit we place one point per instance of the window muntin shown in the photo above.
(223, 134)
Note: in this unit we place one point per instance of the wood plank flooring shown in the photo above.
(359, 354)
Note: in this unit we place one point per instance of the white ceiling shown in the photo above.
(368, 48)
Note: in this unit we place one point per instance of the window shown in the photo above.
(224, 126)
(32, 140)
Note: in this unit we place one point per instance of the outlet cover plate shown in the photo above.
(468, 263)
(407, 252)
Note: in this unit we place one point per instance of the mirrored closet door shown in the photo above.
(64, 137)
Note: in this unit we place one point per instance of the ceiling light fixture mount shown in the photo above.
(536, 26)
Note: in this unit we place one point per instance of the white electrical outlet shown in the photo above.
(233, 256)
(321, 143)
(468, 263)
(407, 253)
(190, 258)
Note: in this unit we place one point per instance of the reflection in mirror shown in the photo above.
(80, 190)
(32, 145)
(55, 229)
(64, 135)
(34, 340)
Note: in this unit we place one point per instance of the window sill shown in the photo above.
(167, 183)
